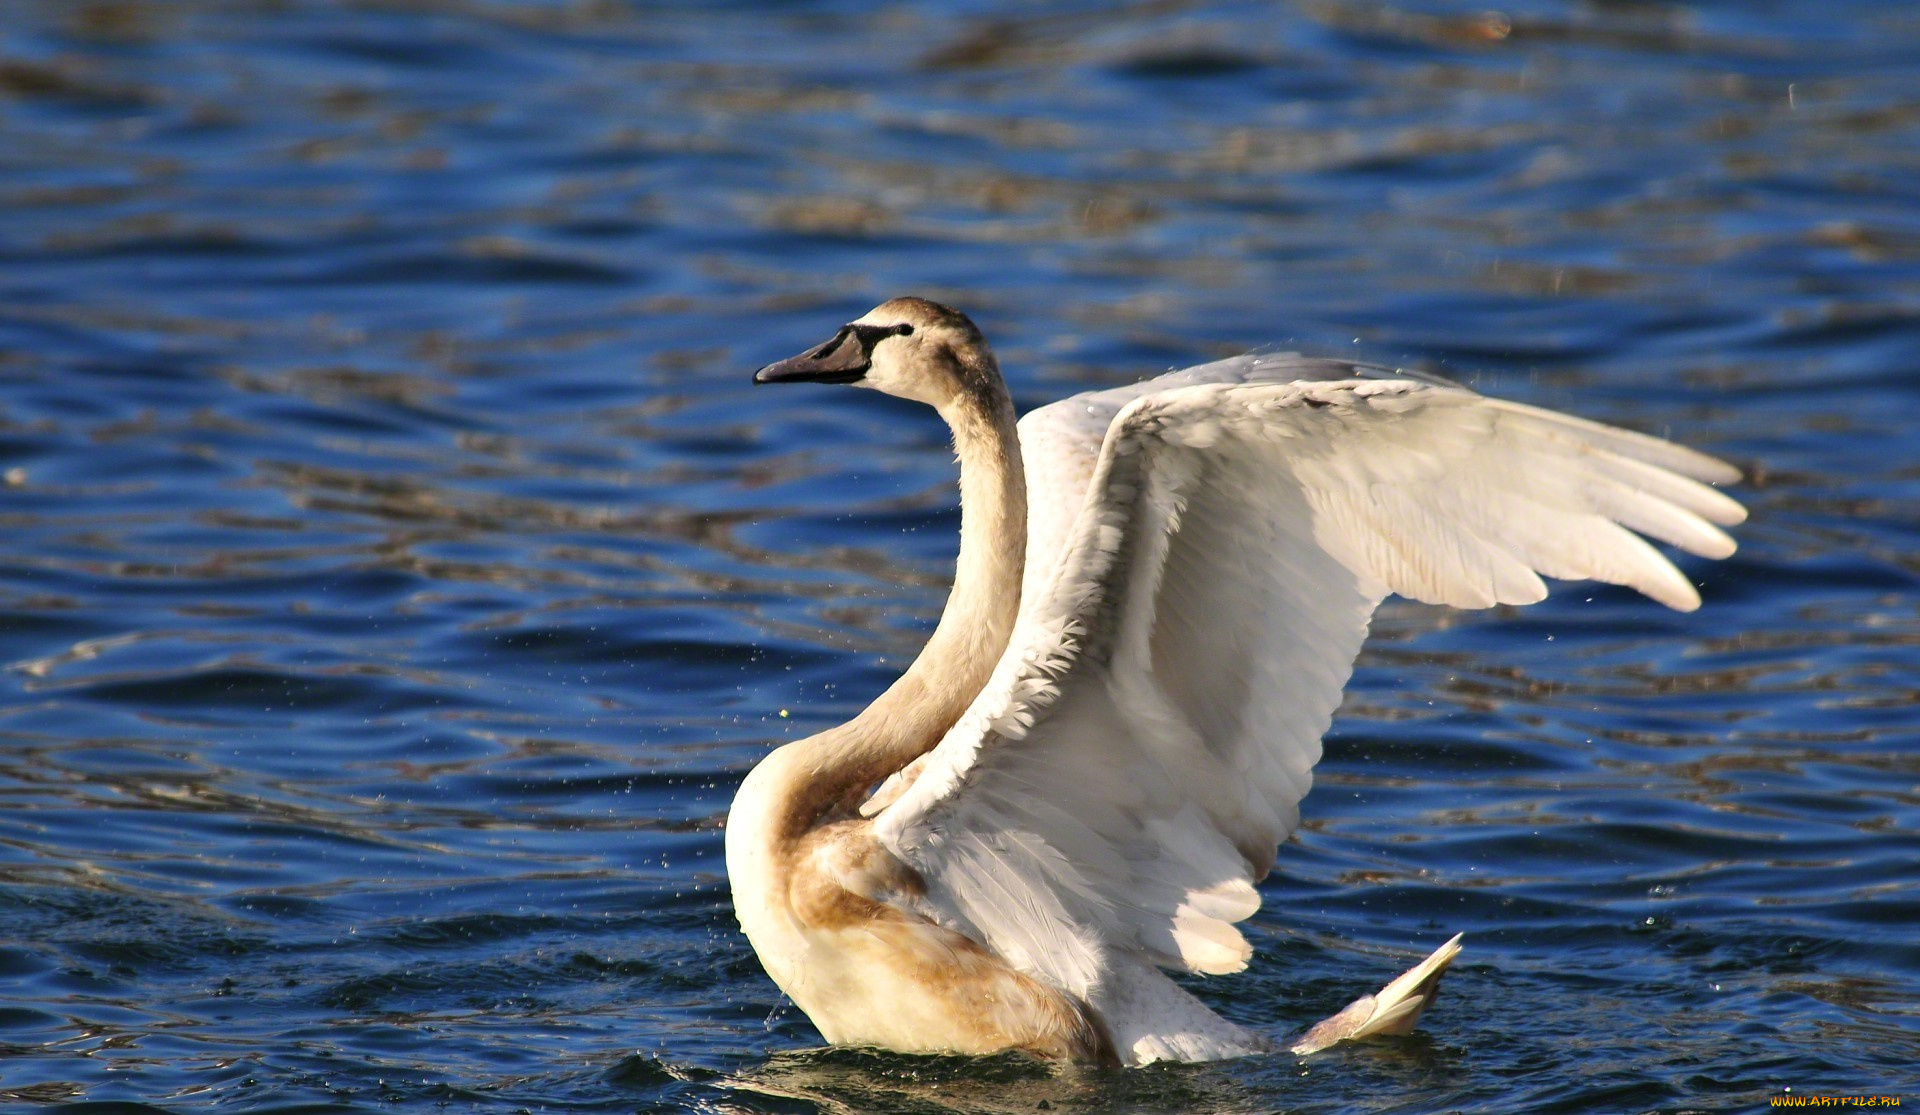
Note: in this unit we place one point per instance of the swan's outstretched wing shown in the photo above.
(1060, 442)
(1125, 777)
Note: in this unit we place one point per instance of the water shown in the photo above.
(399, 573)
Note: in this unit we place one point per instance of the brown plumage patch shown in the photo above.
(840, 880)
(844, 875)
(960, 343)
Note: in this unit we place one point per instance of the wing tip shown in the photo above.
(1211, 947)
(1712, 470)
(1680, 601)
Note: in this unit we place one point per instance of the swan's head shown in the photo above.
(908, 347)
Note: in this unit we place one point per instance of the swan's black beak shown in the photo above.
(845, 359)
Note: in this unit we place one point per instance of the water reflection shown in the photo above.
(853, 1081)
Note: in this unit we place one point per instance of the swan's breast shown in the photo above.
(759, 867)
(815, 904)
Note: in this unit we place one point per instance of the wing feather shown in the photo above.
(1206, 553)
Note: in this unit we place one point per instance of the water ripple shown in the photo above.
(401, 573)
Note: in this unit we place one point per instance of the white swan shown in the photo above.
(1088, 768)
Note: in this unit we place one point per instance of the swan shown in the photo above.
(1159, 596)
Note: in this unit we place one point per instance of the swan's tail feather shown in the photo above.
(1392, 1010)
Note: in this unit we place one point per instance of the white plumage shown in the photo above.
(1204, 553)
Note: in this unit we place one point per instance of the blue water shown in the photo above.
(398, 572)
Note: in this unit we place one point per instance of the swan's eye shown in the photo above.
(871, 335)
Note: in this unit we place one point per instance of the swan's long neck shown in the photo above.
(978, 620)
(916, 711)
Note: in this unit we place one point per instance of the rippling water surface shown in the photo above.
(397, 572)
